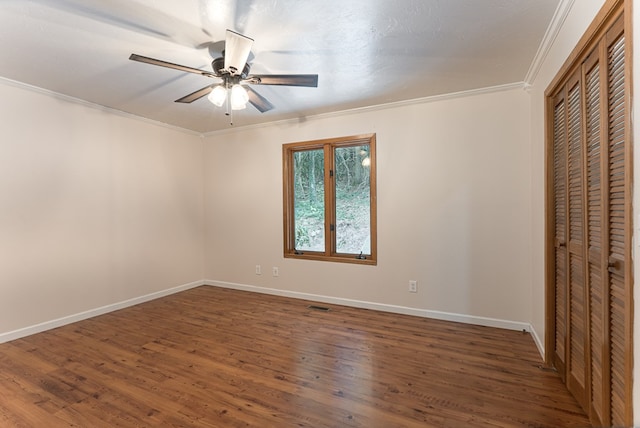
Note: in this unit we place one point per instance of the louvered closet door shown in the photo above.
(577, 331)
(560, 232)
(618, 225)
(570, 353)
(607, 231)
(594, 129)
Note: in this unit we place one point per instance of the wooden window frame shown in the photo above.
(328, 145)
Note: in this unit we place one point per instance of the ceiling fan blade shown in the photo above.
(153, 61)
(147, 20)
(309, 80)
(258, 101)
(236, 52)
(195, 95)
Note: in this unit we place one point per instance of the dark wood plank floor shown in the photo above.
(211, 357)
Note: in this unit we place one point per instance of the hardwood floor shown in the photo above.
(212, 357)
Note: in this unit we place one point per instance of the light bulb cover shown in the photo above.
(239, 97)
(218, 96)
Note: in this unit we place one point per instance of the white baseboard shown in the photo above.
(425, 313)
(539, 343)
(48, 325)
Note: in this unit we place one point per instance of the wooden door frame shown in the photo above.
(609, 13)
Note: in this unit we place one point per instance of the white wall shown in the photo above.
(95, 208)
(453, 207)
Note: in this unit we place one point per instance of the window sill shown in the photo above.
(350, 258)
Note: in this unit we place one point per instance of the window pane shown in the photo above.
(308, 175)
(353, 220)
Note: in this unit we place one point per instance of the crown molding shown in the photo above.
(560, 15)
(397, 104)
(88, 104)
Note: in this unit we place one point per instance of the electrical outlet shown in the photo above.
(275, 271)
(413, 286)
(258, 270)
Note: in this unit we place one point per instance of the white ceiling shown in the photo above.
(365, 52)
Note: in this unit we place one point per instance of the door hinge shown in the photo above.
(332, 227)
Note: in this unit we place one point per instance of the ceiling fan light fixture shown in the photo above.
(218, 95)
(239, 97)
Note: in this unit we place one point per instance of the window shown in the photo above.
(330, 199)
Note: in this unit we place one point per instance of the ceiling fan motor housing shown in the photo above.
(218, 68)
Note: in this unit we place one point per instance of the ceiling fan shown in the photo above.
(232, 69)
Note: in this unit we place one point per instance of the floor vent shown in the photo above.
(319, 308)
